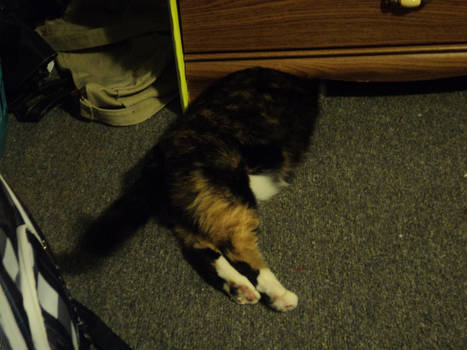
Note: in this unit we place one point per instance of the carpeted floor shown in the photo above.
(371, 235)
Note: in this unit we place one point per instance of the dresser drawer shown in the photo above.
(357, 40)
(265, 25)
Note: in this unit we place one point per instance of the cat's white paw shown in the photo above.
(285, 302)
(280, 298)
(242, 293)
(236, 285)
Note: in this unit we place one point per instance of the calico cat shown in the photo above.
(238, 142)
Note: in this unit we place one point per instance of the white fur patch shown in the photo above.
(228, 272)
(263, 186)
(246, 292)
(281, 298)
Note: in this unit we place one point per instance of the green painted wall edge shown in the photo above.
(178, 50)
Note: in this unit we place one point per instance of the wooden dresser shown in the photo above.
(360, 40)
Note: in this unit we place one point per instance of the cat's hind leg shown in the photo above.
(227, 224)
(217, 270)
(245, 256)
(240, 271)
(236, 285)
(279, 298)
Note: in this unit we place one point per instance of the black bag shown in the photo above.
(37, 310)
(25, 56)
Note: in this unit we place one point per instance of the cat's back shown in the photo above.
(253, 103)
(242, 112)
(253, 93)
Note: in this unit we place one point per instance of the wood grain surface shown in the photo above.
(368, 67)
(251, 25)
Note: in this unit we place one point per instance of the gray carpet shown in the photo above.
(371, 235)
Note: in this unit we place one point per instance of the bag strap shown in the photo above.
(101, 335)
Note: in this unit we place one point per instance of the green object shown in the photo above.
(3, 115)
(178, 47)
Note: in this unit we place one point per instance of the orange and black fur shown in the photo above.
(253, 124)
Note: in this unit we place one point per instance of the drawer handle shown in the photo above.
(408, 4)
